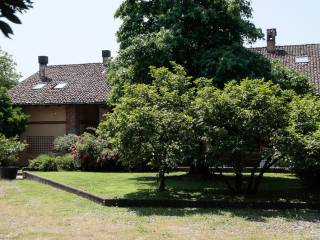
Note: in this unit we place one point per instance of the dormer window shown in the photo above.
(60, 86)
(303, 59)
(39, 86)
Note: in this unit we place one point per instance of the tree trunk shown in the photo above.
(251, 180)
(239, 177)
(238, 183)
(226, 181)
(162, 184)
(199, 169)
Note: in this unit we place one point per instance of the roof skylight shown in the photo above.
(60, 86)
(38, 86)
(304, 59)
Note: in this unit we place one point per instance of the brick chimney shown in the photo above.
(271, 40)
(106, 55)
(43, 62)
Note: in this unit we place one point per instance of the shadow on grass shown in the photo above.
(273, 188)
(247, 214)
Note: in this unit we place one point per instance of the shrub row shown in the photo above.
(71, 152)
(53, 163)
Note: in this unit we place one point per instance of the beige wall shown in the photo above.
(48, 122)
(54, 130)
(38, 116)
(46, 113)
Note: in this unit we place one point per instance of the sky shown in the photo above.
(75, 31)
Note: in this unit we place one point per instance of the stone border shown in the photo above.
(66, 188)
(167, 203)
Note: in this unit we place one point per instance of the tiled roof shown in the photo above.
(288, 54)
(86, 84)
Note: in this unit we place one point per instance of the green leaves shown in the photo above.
(151, 124)
(205, 37)
(242, 117)
(5, 28)
(8, 74)
(304, 144)
(9, 150)
(290, 80)
(8, 8)
(12, 120)
(13, 19)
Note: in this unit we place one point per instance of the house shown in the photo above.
(301, 58)
(60, 99)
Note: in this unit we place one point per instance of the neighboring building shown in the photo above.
(60, 99)
(301, 58)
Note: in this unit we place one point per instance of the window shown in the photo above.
(38, 86)
(60, 86)
(304, 59)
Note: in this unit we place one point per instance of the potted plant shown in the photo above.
(9, 155)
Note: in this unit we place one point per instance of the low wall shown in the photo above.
(80, 193)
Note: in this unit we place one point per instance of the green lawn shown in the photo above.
(279, 187)
(29, 210)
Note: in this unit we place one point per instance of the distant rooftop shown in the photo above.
(301, 58)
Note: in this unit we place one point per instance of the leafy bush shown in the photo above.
(51, 163)
(304, 148)
(65, 163)
(9, 150)
(12, 120)
(62, 145)
(290, 79)
(43, 163)
(92, 153)
(242, 124)
(150, 124)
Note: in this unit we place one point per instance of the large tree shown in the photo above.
(8, 73)
(304, 145)
(8, 9)
(12, 120)
(205, 37)
(150, 125)
(243, 125)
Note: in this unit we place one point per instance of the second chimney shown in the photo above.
(43, 62)
(271, 40)
(106, 55)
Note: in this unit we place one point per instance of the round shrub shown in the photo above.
(49, 163)
(92, 153)
(9, 151)
(304, 144)
(65, 163)
(43, 162)
(62, 145)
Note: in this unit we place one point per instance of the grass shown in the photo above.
(29, 210)
(276, 187)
